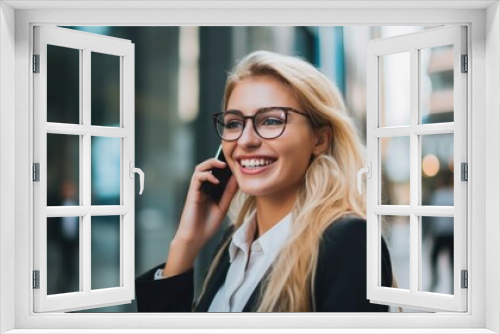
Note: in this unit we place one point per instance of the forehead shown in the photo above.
(257, 92)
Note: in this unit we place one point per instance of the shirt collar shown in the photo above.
(271, 242)
(243, 237)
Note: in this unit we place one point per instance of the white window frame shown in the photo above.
(85, 43)
(18, 18)
(413, 296)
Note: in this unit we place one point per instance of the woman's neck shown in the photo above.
(271, 211)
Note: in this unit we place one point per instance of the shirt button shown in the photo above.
(257, 247)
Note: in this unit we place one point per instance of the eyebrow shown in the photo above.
(235, 110)
(241, 112)
(258, 109)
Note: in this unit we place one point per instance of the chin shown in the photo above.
(254, 191)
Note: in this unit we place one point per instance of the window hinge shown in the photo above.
(36, 172)
(464, 171)
(465, 64)
(465, 279)
(36, 63)
(36, 279)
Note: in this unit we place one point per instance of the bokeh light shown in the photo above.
(430, 165)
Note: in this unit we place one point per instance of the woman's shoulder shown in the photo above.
(341, 268)
(344, 245)
(342, 249)
(347, 230)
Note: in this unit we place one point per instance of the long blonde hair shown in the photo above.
(328, 191)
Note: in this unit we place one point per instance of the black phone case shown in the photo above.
(215, 191)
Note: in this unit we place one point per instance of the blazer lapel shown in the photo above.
(214, 284)
(252, 303)
(218, 279)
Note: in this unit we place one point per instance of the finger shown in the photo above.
(229, 192)
(206, 176)
(209, 164)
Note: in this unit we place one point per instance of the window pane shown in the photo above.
(396, 232)
(105, 90)
(63, 85)
(105, 244)
(106, 159)
(63, 255)
(63, 170)
(436, 84)
(395, 89)
(437, 254)
(395, 170)
(437, 170)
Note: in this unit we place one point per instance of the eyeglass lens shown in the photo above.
(268, 124)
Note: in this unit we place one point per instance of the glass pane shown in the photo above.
(63, 170)
(63, 85)
(395, 89)
(396, 233)
(106, 171)
(395, 169)
(437, 170)
(436, 84)
(63, 255)
(105, 90)
(437, 254)
(105, 244)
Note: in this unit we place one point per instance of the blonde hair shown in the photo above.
(328, 191)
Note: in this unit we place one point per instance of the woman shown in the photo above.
(298, 240)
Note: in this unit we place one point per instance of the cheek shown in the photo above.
(299, 157)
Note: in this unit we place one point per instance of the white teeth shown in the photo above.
(255, 163)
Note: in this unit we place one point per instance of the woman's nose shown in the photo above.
(249, 137)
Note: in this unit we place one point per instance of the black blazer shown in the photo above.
(340, 284)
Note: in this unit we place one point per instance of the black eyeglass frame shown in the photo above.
(286, 110)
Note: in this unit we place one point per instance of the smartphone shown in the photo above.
(215, 191)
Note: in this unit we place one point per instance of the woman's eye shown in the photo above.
(233, 124)
(272, 121)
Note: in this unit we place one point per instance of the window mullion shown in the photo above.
(80, 130)
(419, 129)
(434, 129)
(80, 211)
(85, 263)
(85, 254)
(67, 129)
(81, 220)
(414, 171)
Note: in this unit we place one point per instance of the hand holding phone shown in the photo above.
(215, 191)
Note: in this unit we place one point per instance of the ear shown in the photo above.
(322, 140)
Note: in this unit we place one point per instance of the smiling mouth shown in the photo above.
(256, 163)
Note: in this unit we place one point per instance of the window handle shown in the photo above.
(133, 170)
(368, 171)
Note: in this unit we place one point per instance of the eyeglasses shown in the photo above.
(269, 123)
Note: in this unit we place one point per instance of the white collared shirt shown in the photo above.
(250, 259)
